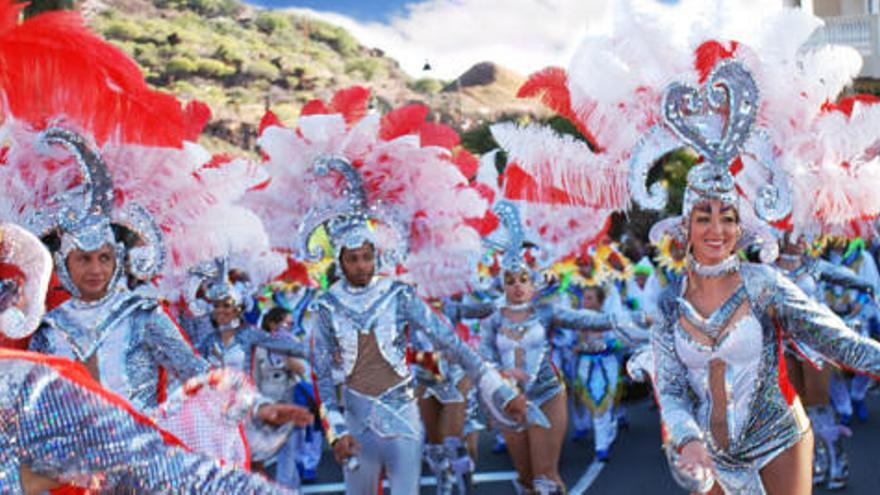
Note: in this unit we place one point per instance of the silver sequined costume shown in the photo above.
(388, 426)
(810, 277)
(131, 335)
(239, 353)
(762, 422)
(445, 388)
(62, 430)
(525, 345)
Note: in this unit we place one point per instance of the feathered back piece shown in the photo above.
(83, 134)
(395, 180)
(25, 270)
(758, 110)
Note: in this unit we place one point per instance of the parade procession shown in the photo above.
(661, 279)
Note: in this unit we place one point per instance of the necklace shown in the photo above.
(518, 307)
(729, 265)
(232, 325)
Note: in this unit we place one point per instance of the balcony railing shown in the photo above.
(861, 32)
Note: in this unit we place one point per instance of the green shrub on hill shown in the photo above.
(262, 69)
(207, 8)
(214, 69)
(182, 66)
(123, 29)
(230, 52)
(427, 86)
(368, 68)
(269, 22)
(334, 36)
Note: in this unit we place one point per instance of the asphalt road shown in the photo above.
(637, 465)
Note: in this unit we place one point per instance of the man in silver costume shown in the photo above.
(58, 426)
(122, 336)
(362, 319)
(361, 325)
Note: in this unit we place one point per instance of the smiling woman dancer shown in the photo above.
(515, 338)
(759, 117)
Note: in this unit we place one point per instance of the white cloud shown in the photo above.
(453, 35)
(524, 35)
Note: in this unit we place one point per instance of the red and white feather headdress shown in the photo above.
(624, 88)
(394, 180)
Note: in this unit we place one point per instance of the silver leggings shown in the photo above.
(400, 456)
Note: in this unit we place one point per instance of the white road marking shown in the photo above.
(490, 477)
(588, 478)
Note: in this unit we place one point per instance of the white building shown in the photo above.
(849, 22)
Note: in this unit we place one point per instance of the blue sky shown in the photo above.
(363, 10)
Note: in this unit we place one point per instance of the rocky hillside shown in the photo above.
(242, 60)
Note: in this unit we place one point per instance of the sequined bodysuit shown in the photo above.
(761, 416)
(131, 336)
(525, 345)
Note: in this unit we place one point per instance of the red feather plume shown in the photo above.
(269, 119)
(403, 121)
(54, 59)
(351, 103)
(708, 54)
(551, 86)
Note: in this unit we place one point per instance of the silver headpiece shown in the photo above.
(513, 243)
(718, 122)
(348, 223)
(84, 216)
(212, 277)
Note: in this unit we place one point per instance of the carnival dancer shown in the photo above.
(734, 426)
(232, 342)
(573, 277)
(67, 429)
(860, 309)
(806, 370)
(721, 340)
(515, 338)
(122, 336)
(378, 193)
(375, 384)
(443, 391)
(288, 379)
(597, 373)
